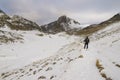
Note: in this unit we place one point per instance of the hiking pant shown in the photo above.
(86, 45)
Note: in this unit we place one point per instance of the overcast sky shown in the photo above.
(45, 11)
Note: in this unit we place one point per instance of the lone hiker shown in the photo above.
(86, 42)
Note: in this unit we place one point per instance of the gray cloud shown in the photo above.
(44, 11)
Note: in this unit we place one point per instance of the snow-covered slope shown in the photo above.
(35, 45)
(61, 57)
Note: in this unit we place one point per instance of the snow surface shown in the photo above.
(34, 47)
(62, 57)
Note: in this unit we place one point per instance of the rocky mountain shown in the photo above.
(20, 23)
(17, 23)
(8, 24)
(70, 26)
(96, 27)
(63, 23)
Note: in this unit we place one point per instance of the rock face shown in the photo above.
(63, 23)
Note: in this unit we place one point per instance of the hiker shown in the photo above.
(86, 42)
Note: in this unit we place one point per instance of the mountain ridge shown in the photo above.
(62, 24)
(17, 22)
(96, 27)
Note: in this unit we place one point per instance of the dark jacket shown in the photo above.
(86, 40)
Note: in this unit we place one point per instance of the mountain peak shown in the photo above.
(63, 23)
(63, 18)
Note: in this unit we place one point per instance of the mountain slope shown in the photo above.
(17, 22)
(9, 36)
(94, 28)
(9, 27)
(63, 24)
(20, 23)
(72, 62)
